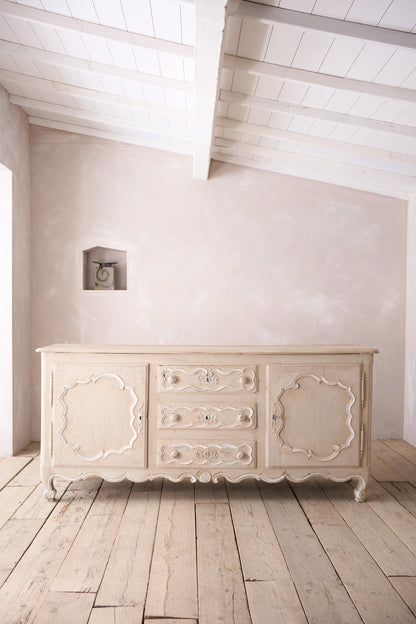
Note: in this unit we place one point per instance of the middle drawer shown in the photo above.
(237, 415)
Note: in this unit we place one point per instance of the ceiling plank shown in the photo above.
(88, 94)
(56, 20)
(112, 136)
(210, 24)
(299, 137)
(63, 60)
(306, 21)
(303, 76)
(38, 109)
(316, 113)
(250, 149)
(349, 176)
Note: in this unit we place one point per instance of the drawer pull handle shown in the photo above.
(174, 454)
(174, 417)
(244, 380)
(171, 379)
(242, 418)
(240, 454)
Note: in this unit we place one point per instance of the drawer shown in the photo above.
(207, 378)
(213, 453)
(195, 416)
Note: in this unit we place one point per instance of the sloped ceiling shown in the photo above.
(321, 89)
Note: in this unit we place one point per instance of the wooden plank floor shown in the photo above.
(245, 553)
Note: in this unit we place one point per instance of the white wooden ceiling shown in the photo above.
(321, 89)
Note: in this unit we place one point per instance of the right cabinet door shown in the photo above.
(314, 415)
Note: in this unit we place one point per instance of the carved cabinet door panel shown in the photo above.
(99, 414)
(314, 415)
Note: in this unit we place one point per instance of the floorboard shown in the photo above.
(73, 608)
(386, 548)
(173, 576)
(10, 468)
(126, 576)
(222, 595)
(94, 540)
(10, 500)
(404, 493)
(245, 553)
(323, 597)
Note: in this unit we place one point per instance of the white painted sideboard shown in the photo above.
(201, 413)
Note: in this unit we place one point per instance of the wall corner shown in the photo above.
(409, 421)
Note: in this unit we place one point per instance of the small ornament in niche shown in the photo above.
(104, 276)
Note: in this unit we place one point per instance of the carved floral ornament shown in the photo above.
(278, 418)
(208, 378)
(135, 431)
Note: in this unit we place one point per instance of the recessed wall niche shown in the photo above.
(104, 254)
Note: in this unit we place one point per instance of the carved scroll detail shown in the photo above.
(76, 448)
(278, 417)
(204, 477)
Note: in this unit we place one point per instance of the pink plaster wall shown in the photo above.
(248, 257)
(14, 154)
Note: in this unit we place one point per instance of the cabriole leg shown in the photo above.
(359, 490)
(50, 491)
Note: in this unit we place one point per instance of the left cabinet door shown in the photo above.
(99, 414)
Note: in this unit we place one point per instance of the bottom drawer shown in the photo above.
(212, 453)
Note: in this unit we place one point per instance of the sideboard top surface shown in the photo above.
(210, 349)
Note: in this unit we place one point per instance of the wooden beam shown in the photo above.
(210, 24)
(63, 60)
(56, 20)
(299, 137)
(248, 149)
(111, 136)
(319, 23)
(87, 94)
(349, 176)
(316, 113)
(303, 76)
(38, 109)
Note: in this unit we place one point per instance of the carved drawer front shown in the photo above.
(315, 415)
(207, 378)
(211, 453)
(191, 416)
(99, 413)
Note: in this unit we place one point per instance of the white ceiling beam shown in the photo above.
(307, 21)
(315, 113)
(299, 137)
(56, 20)
(87, 94)
(210, 24)
(111, 136)
(349, 176)
(303, 76)
(63, 60)
(249, 149)
(39, 109)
